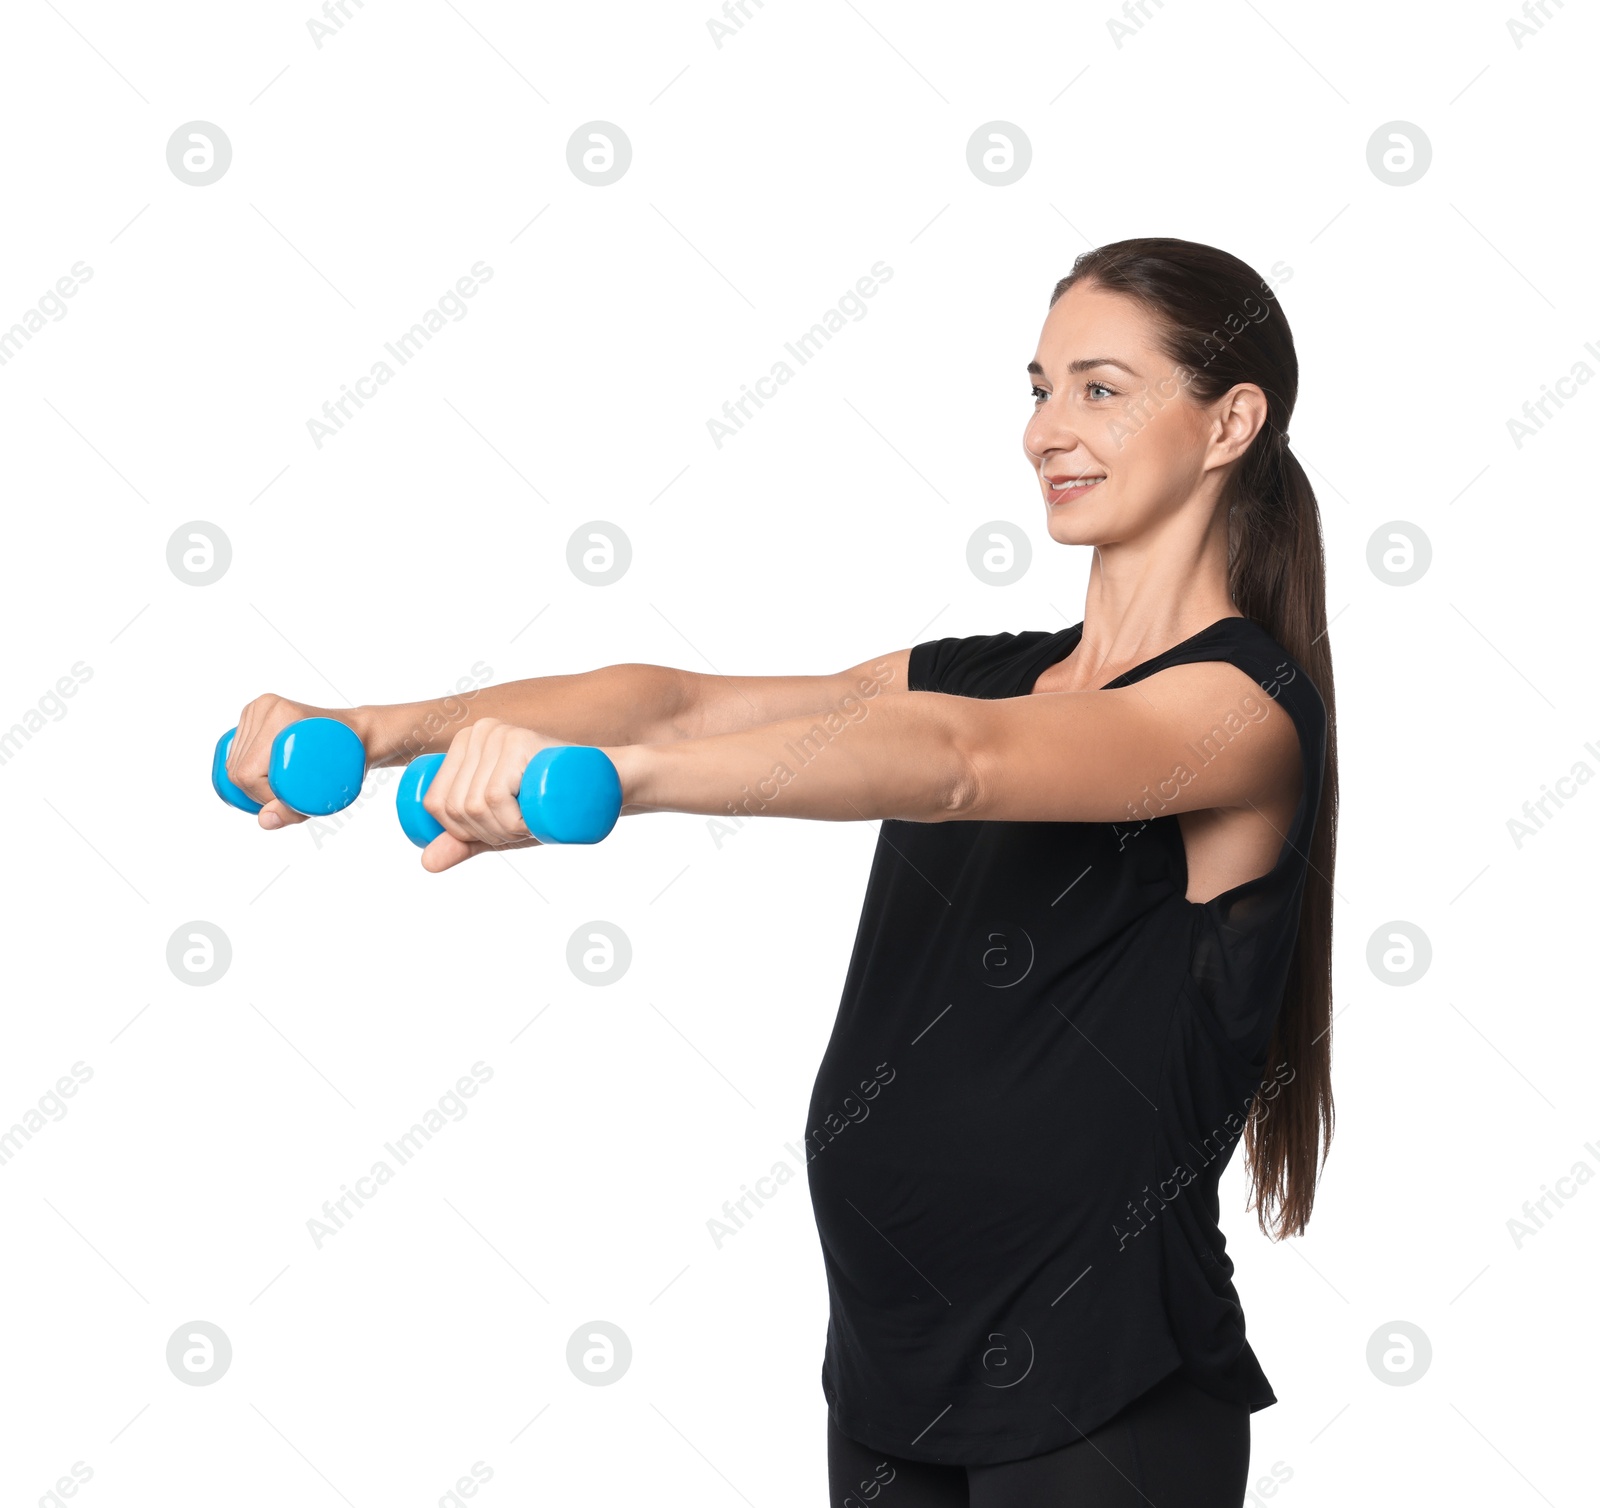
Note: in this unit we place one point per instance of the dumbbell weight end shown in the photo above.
(220, 783)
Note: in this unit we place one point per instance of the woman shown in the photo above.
(1095, 948)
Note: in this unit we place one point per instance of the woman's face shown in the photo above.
(1115, 439)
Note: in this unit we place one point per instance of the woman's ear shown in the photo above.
(1241, 412)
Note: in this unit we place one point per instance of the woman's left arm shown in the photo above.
(1192, 737)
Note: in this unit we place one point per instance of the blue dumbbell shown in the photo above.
(315, 768)
(569, 794)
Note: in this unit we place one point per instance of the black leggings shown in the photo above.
(1173, 1447)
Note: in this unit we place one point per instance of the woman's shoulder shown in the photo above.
(977, 664)
(1258, 652)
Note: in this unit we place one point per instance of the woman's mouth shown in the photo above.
(1063, 488)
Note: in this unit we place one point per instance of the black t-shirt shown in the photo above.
(1042, 1061)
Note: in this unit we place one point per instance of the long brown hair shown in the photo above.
(1222, 322)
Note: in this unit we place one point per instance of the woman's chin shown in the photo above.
(1069, 526)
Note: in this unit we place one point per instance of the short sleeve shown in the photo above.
(984, 665)
(932, 663)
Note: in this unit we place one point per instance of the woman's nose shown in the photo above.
(1045, 432)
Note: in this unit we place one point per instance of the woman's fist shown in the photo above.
(251, 751)
(474, 795)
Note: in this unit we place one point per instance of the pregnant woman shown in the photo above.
(1094, 954)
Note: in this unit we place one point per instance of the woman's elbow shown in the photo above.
(961, 790)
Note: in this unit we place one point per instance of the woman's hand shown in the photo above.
(251, 751)
(474, 795)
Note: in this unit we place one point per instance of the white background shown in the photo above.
(430, 533)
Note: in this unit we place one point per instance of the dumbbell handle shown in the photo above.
(569, 794)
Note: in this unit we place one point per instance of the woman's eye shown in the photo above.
(1089, 388)
(1039, 396)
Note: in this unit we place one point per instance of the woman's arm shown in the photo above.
(617, 704)
(1190, 738)
(1195, 737)
(629, 703)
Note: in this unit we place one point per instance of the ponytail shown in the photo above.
(1276, 576)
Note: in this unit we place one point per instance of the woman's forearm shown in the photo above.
(895, 755)
(616, 704)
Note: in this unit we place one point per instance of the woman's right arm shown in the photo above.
(614, 705)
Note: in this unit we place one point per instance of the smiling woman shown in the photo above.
(1096, 935)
